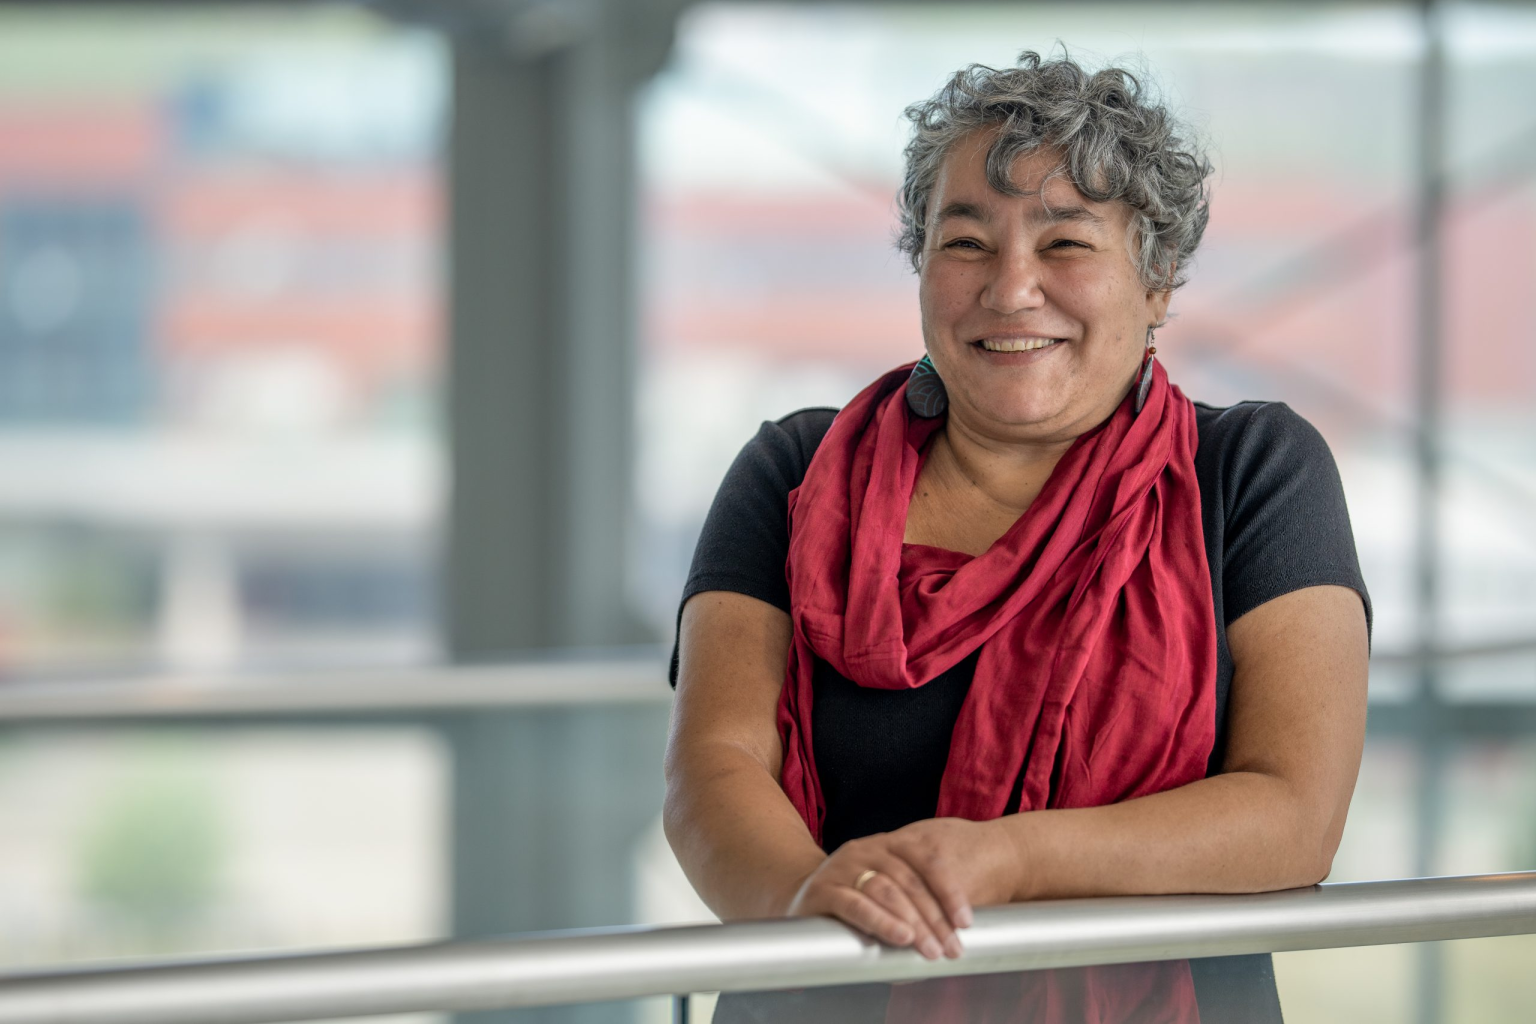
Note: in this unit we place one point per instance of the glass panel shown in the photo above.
(1489, 555)
(1483, 980)
(1175, 991)
(219, 337)
(1490, 808)
(1378, 837)
(1490, 979)
(168, 843)
(1486, 980)
(658, 1010)
(1364, 985)
(1482, 799)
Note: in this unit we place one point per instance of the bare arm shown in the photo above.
(739, 840)
(1274, 818)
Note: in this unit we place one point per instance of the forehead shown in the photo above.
(962, 182)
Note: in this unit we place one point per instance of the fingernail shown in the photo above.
(931, 949)
(965, 918)
(953, 948)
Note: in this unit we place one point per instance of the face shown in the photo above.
(1033, 313)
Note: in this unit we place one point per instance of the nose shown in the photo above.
(1014, 284)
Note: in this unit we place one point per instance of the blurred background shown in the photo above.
(380, 337)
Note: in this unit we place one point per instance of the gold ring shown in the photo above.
(858, 883)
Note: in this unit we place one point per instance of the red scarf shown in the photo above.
(1094, 616)
(1093, 613)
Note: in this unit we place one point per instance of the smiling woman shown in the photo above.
(1039, 368)
(1023, 621)
(1027, 376)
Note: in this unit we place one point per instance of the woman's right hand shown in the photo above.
(913, 899)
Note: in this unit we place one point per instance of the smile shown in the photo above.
(1016, 344)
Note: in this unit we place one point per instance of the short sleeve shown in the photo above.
(744, 544)
(1286, 523)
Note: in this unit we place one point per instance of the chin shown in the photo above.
(1018, 411)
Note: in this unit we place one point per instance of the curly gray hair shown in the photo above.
(1116, 144)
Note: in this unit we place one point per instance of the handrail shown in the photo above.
(631, 963)
(634, 676)
(553, 682)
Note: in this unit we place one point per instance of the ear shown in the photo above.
(1157, 299)
(1157, 306)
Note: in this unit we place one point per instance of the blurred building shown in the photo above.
(210, 264)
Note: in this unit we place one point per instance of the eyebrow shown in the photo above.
(960, 209)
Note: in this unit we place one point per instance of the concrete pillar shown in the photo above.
(542, 362)
(547, 805)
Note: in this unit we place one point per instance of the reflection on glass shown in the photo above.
(1209, 991)
(1488, 981)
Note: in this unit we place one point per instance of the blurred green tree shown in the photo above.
(152, 858)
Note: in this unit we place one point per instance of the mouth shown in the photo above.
(1016, 345)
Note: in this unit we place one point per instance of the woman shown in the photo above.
(1023, 622)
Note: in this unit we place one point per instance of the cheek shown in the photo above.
(1115, 310)
(944, 292)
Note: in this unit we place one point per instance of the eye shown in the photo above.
(966, 242)
(1064, 243)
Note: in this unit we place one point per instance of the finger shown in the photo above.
(894, 897)
(869, 917)
(944, 883)
(919, 890)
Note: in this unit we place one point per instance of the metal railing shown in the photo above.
(618, 964)
(626, 676)
(614, 964)
(630, 678)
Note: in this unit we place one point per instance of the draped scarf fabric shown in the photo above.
(1096, 677)
(1094, 616)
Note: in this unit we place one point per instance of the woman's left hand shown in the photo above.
(980, 857)
(922, 881)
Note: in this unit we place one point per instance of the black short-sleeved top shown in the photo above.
(1274, 520)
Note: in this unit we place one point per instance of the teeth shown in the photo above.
(1016, 344)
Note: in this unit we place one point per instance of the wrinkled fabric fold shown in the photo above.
(1095, 681)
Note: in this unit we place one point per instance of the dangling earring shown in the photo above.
(926, 396)
(1144, 384)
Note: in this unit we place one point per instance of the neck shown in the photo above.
(1009, 474)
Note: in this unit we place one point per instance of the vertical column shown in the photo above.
(547, 805)
(538, 391)
(542, 185)
(1428, 402)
